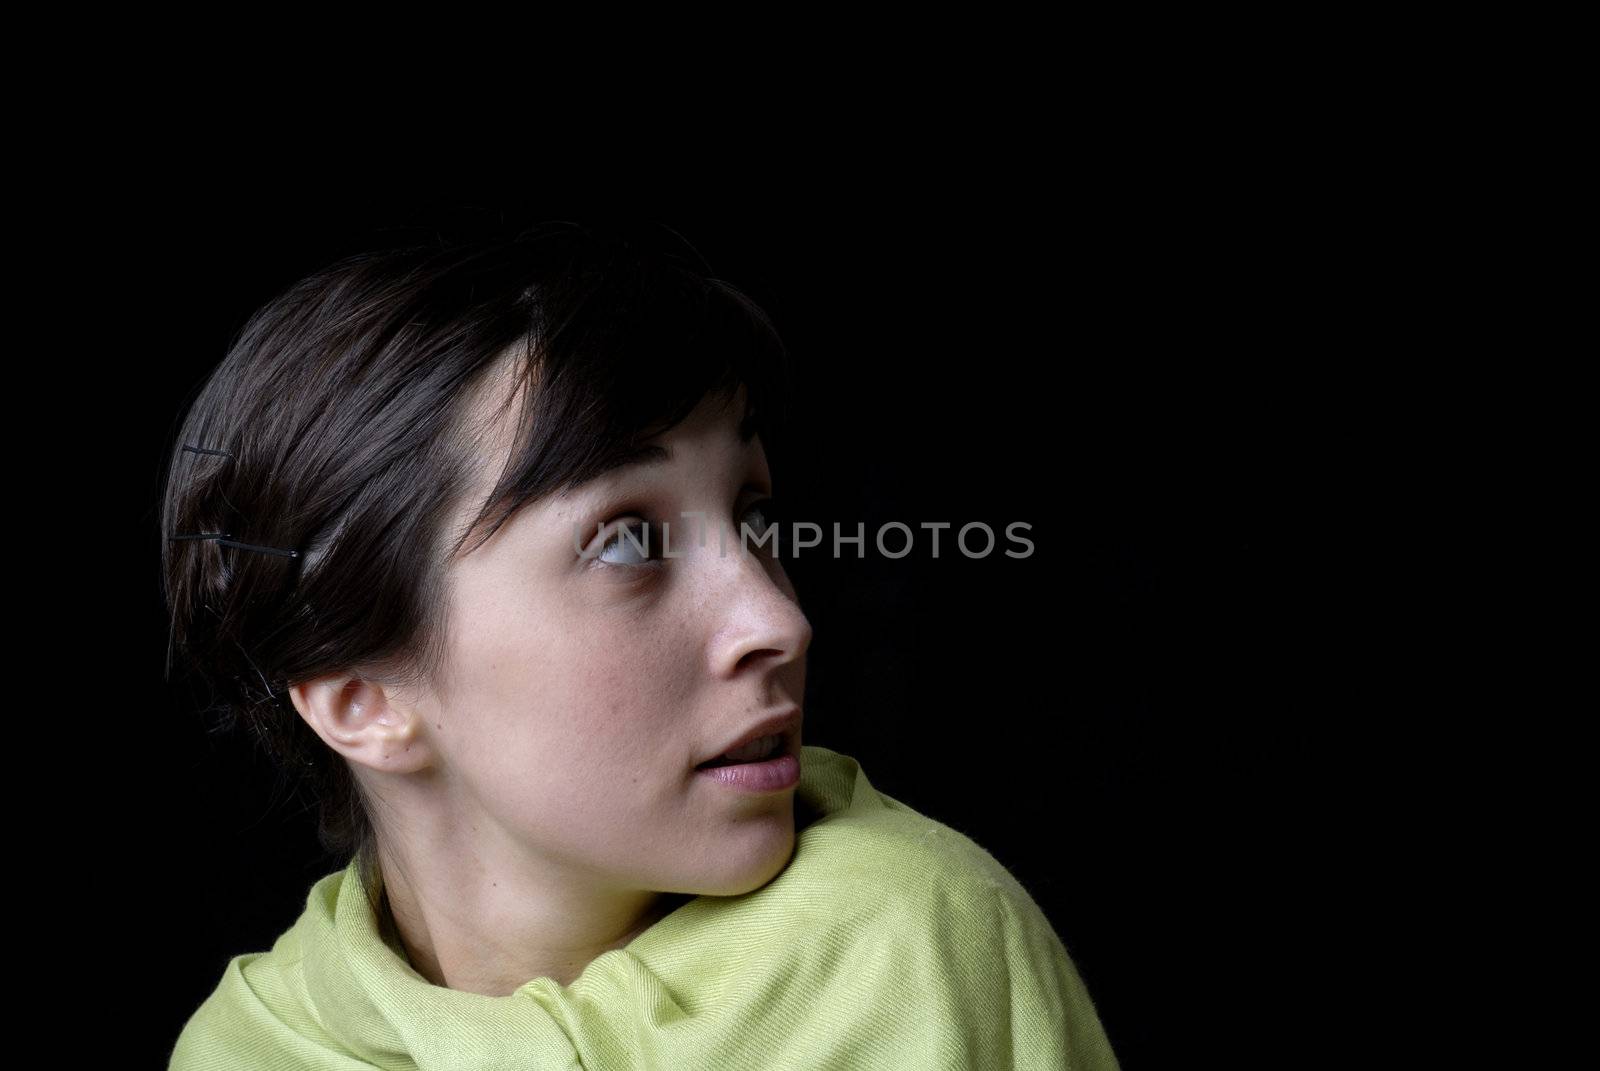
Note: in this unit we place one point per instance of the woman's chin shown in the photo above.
(752, 863)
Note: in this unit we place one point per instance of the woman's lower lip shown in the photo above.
(773, 775)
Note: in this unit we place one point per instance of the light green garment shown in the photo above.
(890, 942)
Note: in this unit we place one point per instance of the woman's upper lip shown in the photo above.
(785, 723)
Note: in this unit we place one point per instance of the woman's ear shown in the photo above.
(365, 721)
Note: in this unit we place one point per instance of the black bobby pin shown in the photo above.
(222, 538)
(226, 538)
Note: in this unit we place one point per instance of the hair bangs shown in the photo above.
(626, 360)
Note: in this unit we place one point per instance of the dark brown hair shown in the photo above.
(343, 407)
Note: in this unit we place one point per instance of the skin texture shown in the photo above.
(536, 802)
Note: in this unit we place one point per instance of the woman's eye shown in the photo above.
(766, 509)
(638, 542)
(760, 518)
(633, 544)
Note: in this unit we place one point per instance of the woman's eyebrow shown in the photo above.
(642, 456)
(650, 455)
(653, 454)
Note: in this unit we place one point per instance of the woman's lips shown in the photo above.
(776, 774)
(785, 725)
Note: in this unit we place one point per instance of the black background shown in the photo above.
(1127, 719)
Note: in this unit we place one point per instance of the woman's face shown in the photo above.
(580, 693)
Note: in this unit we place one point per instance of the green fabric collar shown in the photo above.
(376, 1005)
(891, 941)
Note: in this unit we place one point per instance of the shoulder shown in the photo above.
(222, 1032)
(875, 844)
(955, 946)
(256, 1017)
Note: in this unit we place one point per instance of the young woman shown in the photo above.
(478, 540)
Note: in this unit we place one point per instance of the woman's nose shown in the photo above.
(759, 613)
